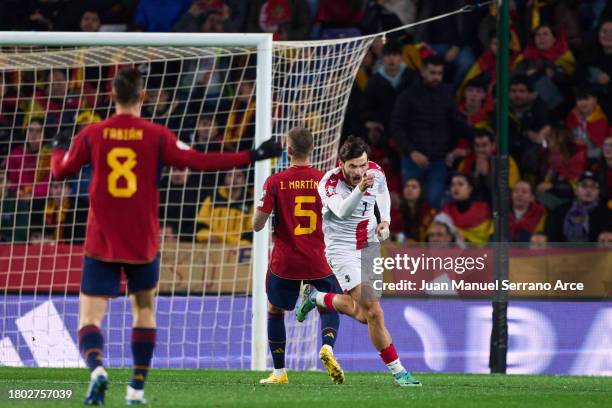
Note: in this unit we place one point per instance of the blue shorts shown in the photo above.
(283, 293)
(104, 278)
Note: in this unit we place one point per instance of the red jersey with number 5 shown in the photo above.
(127, 154)
(299, 249)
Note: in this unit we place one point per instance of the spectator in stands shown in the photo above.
(605, 239)
(538, 241)
(426, 126)
(583, 219)
(160, 16)
(588, 123)
(163, 106)
(9, 115)
(225, 216)
(479, 165)
(382, 154)
(415, 212)
(338, 18)
(449, 37)
(179, 199)
(59, 217)
(229, 16)
(595, 65)
(528, 126)
(14, 213)
(527, 216)
(90, 21)
(550, 64)
(28, 166)
(391, 78)
(603, 169)
(476, 104)
(209, 20)
(80, 185)
(565, 162)
(472, 218)
(240, 127)
(286, 19)
(439, 233)
(207, 136)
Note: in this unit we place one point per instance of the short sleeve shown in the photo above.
(266, 200)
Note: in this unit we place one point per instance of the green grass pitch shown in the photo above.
(204, 388)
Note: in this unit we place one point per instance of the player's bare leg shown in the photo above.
(143, 343)
(277, 338)
(91, 344)
(362, 306)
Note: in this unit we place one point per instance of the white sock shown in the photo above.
(99, 370)
(396, 367)
(320, 299)
(278, 371)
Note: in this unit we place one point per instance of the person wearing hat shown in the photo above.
(588, 122)
(584, 218)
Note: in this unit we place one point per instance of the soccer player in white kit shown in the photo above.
(349, 194)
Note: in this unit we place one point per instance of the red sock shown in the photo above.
(389, 354)
(329, 302)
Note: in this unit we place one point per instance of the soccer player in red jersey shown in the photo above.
(127, 154)
(298, 254)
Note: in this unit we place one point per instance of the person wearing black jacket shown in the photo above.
(384, 86)
(426, 125)
(583, 219)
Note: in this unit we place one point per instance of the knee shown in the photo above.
(374, 314)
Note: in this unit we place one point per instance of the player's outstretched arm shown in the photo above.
(68, 159)
(178, 154)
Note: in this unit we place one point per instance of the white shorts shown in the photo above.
(352, 268)
(347, 271)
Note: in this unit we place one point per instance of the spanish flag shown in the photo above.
(532, 222)
(485, 64)
(475, 224)
(414, 54)
(595, 125)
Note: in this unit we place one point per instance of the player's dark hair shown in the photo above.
(353, 148)
(301, 141)
(127, 86)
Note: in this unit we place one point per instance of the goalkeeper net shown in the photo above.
(207, 96)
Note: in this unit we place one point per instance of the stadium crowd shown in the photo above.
(424, 100)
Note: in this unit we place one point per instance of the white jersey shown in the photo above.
(349, 221)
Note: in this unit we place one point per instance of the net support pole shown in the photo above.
(499, 332)
(263, 131)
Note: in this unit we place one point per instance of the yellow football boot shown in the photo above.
(329, 362)
(275, 379)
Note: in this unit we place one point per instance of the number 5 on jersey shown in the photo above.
(121, 170)
(298, 211)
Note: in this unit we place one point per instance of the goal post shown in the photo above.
(212, 312)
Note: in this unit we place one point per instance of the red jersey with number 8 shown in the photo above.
(299, 248)
(127, 154)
